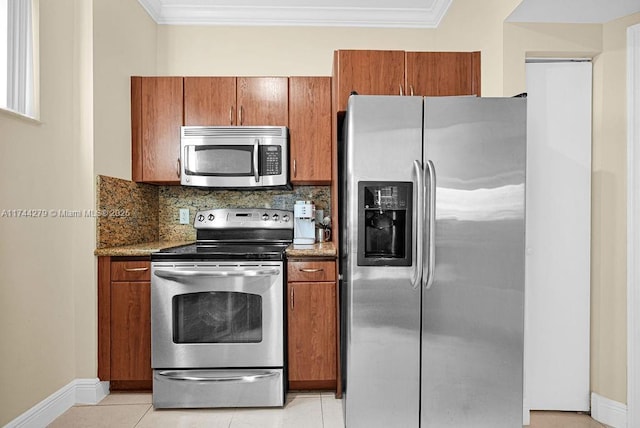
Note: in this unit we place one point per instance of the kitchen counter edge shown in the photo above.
(142, 249)
(319, 249)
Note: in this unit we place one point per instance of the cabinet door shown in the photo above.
(156, 113)
(368, 73)
(131, 330)
(210, 101)
(310, 129)
(263, 101)
(443, 73)
(312, 334)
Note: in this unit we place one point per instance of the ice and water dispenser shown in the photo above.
(384, 223)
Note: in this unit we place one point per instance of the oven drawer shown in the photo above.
(311, 271)
(131, 270)
(218, 388)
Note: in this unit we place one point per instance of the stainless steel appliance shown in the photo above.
(304, 226)
(234, 156)
(432, 258)
(217, 317)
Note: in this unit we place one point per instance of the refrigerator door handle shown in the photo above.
(431, 173)
(417, 273)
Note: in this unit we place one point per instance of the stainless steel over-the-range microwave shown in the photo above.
(234, 156)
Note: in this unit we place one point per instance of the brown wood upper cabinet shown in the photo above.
(156, 117)
(404, 73)
(310, 130)
(443, 73)
(210, 101)
(236, 101)
(367, 73)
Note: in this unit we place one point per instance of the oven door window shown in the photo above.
(224, 161)
(217, 317)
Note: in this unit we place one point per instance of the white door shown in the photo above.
(558, 228)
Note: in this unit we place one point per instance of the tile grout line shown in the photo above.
(143, 415)
(233, 413)
(322, 410)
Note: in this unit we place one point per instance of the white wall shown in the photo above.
(48, 313)
(47, 274)
(124, 41)
(609, 205)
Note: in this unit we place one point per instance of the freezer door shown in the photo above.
(473, 310)
(382, 304)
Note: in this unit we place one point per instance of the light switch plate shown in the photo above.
(184, 215)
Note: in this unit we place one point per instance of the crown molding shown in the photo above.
(197, 13)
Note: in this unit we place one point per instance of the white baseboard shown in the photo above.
(78, 391)
(608, 412)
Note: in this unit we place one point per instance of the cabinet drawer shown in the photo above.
(131, 270)
(311, 270)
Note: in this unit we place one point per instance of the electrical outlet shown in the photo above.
(184, 216)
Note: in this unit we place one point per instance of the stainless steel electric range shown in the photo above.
(217, 312)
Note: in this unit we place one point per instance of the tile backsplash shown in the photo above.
(146, 213)
(172, 198)
(128, 212)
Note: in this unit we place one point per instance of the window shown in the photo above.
(3, 53)
(17, 89)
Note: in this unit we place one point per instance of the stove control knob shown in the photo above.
(276, 217)
(200, 217)
(285, 218)
(265, 216)
(211, 217)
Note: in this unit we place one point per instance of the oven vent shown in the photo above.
(234, 131)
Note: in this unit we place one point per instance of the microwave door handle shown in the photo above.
(256, 149)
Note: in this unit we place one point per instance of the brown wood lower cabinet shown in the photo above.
(124, 323)
(311, 302)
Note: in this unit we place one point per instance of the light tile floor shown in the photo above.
(303, 410)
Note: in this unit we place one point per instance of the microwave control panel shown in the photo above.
(270, 160)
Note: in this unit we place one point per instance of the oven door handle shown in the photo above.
(172, 274)
(176, 375)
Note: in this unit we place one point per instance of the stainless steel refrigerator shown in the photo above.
(432, 261)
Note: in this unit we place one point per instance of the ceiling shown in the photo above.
(573, 11)
(369, 13)
(343, 13)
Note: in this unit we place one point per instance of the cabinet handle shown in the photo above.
(401, 90)
(411, 87)
(307, 270)
(231, 115)
(291, 297)
(240, 116)
(140, 269)
(295, 168)
(178, 167)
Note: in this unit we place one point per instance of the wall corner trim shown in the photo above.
(607, 411)
(78, 391)
(633, 225)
